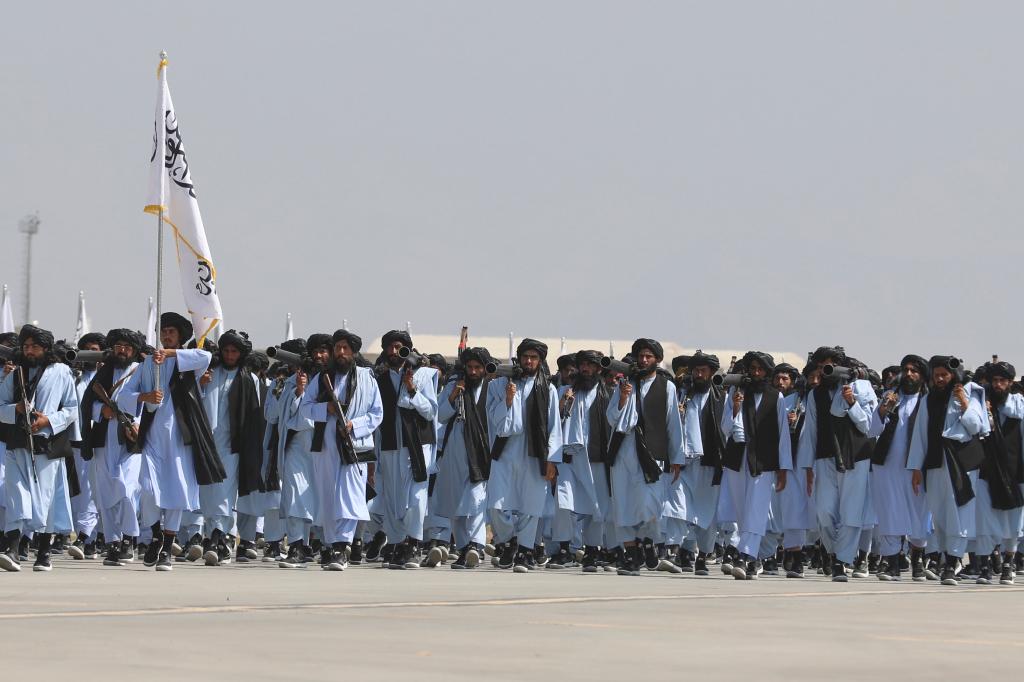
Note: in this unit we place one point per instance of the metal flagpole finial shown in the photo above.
(344, 324)
(163, 55)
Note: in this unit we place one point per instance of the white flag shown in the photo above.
(82, 327)
(289, 331)
(171, 191)
(151, 324)
(6, 316)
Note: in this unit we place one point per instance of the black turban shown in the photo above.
(919, 362)
(701, 358)
(478, 353)
(258, 360)
(1000, 369)
(184, 327)
(786, 368)
(396, 335)
(837, 353)
(354, 342)
(936, 361)
(40, 336)
(437, 360)
(680, 361)
(649, 344)
(534, 345)
(593, 356)
(566, 361)
(764, 359)
(132, 338)
(297, 346)
(239, 340)
(318, 341)
(9, 339)
(92, 337)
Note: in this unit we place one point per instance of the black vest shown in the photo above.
(416, 431)
(838, 438)
(761, 429)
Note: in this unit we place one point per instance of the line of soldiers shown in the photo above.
(208, 454)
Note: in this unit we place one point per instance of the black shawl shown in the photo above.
(838, 438)
(884, 443)
(960, 458)
(247, 429)
(535, 424)
(1001, 468)
(650, 433)
(761, 430)
(343, 440)
(474, 434)
(712, 442)
(416, 431)
(194, 426)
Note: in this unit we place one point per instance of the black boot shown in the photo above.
(590, 555)
(860, 565)
(838, 570)
(9, 559)
(113, 557)
(892, 569)
(796, 564)
(931, 566)
(1006, 575)
(356, 556)
(43, 553)
(375, 545)
(632, 560)
(508, 554)
(948, 576)
(700, 566)
(163, 560)
(984, 570)
(339, 557)
(562, 558)
(917, 564)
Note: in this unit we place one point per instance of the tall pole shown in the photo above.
(160, 254)
(29, 225)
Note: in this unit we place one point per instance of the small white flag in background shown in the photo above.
(82, 326)
(172, 195)
(151, 324)
(289, 331)
(6, 316)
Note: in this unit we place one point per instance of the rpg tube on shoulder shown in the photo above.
(287, 357)
(616, 366)
(507, 371)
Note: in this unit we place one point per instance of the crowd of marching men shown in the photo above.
(312, 453)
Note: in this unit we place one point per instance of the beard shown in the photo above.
(997, 397)
(29, 363)
(530, 373)
(757, 385)
(341, 365)
(395, 362)
(700, 385)
(120, 362)
(472, 383)
(909, 386)
(584, 382)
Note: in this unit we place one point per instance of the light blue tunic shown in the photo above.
(634, 501)
(516, 483)
(115, 471)
(35, 490)
(454, 494)
(168, 470)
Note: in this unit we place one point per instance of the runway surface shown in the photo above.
(260, 622)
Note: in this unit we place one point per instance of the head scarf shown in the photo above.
(92, 337)
(239, 340)
(478, 353)
(396, 335)
(184, 327)
(354, 342)
(534, 345)
(837, 353)
(649, 344)
(132, 338)
(764, 359)
(1000, 369)
(566, 361)
(786, 368)
(437, 360)
(318, 341)
(593, 356)
(40, 336)
(702, 358)
(920, 363)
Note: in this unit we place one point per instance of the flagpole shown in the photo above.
(159, 258)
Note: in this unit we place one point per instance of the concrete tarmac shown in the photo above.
(256, 621)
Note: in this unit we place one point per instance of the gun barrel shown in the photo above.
(718, 380)
(843, 373)
(507, 371)
(75, 355)
(617, 366)
(287, 357)
(733, 379)
(412, 357)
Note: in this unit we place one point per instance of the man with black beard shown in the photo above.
(835, 452)
(83, 505)
(344, 402)
(408, 434)
(757, 458)
(460, 492)
(900, 513)
(703, 445)
(1000, 502)
(232, 401)
(584, 490)
(299, 503)
(566, 371)
(944, 454)
(526, 443)
(35, 494)
(645, 453)
(110, 443)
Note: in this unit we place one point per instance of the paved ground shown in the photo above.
(262, 622)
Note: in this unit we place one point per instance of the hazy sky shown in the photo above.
(760, 174)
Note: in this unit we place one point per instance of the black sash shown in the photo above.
(838, 437)
(416, 431)
(247, 428)
(1001, 467)
(884, 443)
(474, 435)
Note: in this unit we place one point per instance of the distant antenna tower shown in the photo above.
(29, 225)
